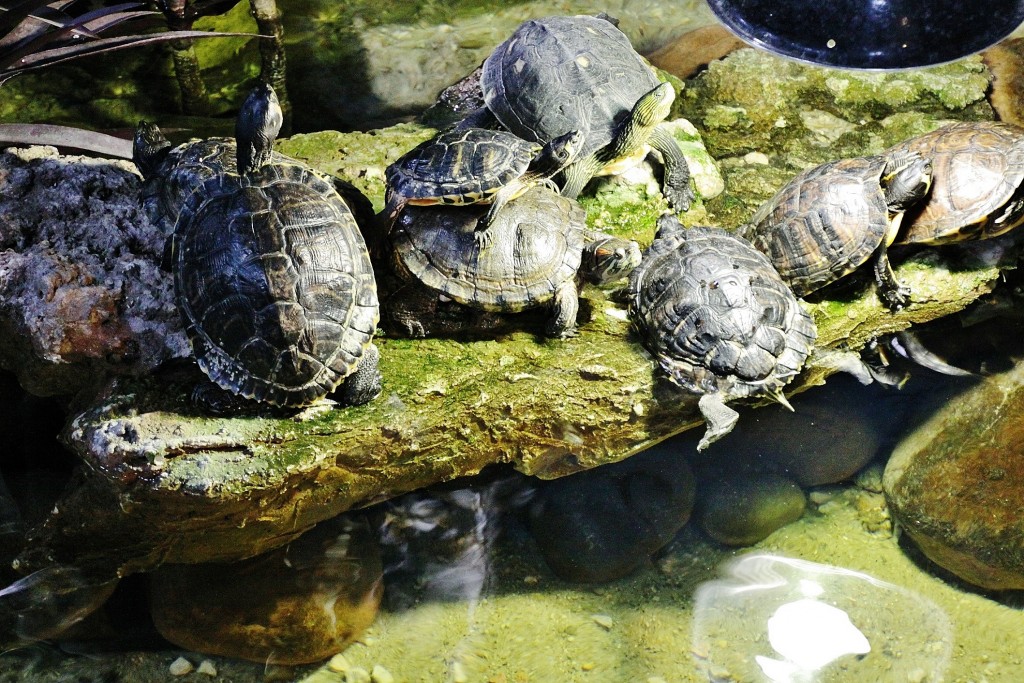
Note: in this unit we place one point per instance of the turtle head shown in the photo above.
(608, 259)
(654, 106)
(149, 148)
(258, 124)
(906, 179)
(558, 153)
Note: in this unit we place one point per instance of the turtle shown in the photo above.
(539, 253)
(718, 319)
(272, 276)
(172, 173)
(832, 218)
(475, 165)
(978, 183)
(564, 73)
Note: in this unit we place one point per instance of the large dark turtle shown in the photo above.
(832, 218)
(475, 165)
(718, 318)
(272, 276)
(538, 252)
(560, 74)
(977, 184)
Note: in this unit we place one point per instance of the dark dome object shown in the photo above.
(871, 34)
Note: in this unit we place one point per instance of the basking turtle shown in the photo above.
(538, 252)
(272, 276)
(475, 165)
(977, 193)
(830, 219)
(561, 74)
(718, 318)
(171, 174)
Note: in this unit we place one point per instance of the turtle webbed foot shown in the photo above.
(720, 419)
(896, 298)
(679, 197)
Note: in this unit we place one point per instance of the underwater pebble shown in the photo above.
(604, 621)
(357, 674)
(180, 667)
(756, 158)
(339, 663)
(207, 668)
(381, 675)
(459, 673)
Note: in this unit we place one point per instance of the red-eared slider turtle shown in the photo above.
(718, 318)
(978, 173)
(539, 249)
(272, 276)
(830, 219)
(561, 74)
(475, 166)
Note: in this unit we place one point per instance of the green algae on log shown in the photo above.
(165, 484)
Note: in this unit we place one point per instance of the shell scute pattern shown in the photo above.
(275, 284)
(460, 167)
(719, 320)
(824, 223)
(536, 245)
(978, 171)
(559, 74)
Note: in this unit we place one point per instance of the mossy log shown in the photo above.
(165, 484)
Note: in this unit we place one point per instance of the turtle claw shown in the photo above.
(680, 198)
(482, 237)
(896, 298)
(720, 419)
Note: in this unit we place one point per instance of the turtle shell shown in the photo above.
(184, 170)
(460, 166)
(535, 244)
(824, 223)
(559, 74)
(274, 283)
(977, 173)
(716, 315)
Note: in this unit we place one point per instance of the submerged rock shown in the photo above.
(956, 483)
(603, 524)
(744, 508)
(298, 604)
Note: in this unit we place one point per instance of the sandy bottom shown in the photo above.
(530, 626)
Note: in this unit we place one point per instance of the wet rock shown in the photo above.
(1006, 62)
(301, 603)
(742, 509)
(692, 51)
(955, 484)
(81, 291)
(603, 524)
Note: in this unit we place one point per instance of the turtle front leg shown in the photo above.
(676, 183)
(719, 418)
(501, 198)
(895, 294)
(564, 308)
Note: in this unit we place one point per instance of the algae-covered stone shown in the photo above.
(294, 605)
(956, 483)
(742, 509)
(752, 100)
